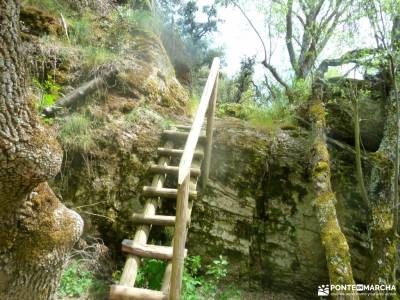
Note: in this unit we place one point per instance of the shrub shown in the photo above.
(134, 18)
(150, 274)
(197, 286)
(218, 268)
(125, 21)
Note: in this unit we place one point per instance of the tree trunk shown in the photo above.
(333, 240)
(36, 230)
(383, 231)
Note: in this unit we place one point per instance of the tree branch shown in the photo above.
(353, 56)
(81, 92)
(274, 73)
(289, 36)
(265, 63)
(254, 28)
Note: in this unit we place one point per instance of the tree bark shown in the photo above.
(333, 240)
(383, 231)
(36, 230)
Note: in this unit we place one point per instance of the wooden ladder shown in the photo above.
(194, 161)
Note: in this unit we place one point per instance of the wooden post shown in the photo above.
(209, 134)
(182, 206)
(192, 187)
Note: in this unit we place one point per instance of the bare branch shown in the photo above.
(289, 35)
(318, 8)
(320, 46)
(252, 26)
(276, 75)
(300, 19)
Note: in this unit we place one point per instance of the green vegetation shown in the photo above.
(268, 116)
(77, 281)
(81, 31)
(100, 40)
(263, 107)
(126, 18)
(198, 283)
(49, 5)
(301, 91)
(48, 92)
(97, 56)
(192, 105)
(76, 134)
(150, 274)
(206, 285)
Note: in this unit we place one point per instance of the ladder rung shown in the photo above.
(148, 251)
(173, 170)
(154, 220)
(150, 191)
(177, 152)
(120, 292)
(180, 135)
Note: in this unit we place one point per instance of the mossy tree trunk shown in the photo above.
(382, 227)
(36, 230)
(335, 243)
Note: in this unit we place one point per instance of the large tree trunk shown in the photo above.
(383, 231)
(36, 230)
(333, 240)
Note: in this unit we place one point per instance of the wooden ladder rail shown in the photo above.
(182, 205)
(132, 263)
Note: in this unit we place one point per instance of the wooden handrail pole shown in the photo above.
(193, 137)
(209, 134)
(182, 206)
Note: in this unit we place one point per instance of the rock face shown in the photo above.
(110, 140)
(258, 211)
(105, 183)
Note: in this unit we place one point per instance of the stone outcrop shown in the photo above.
(258, 211)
